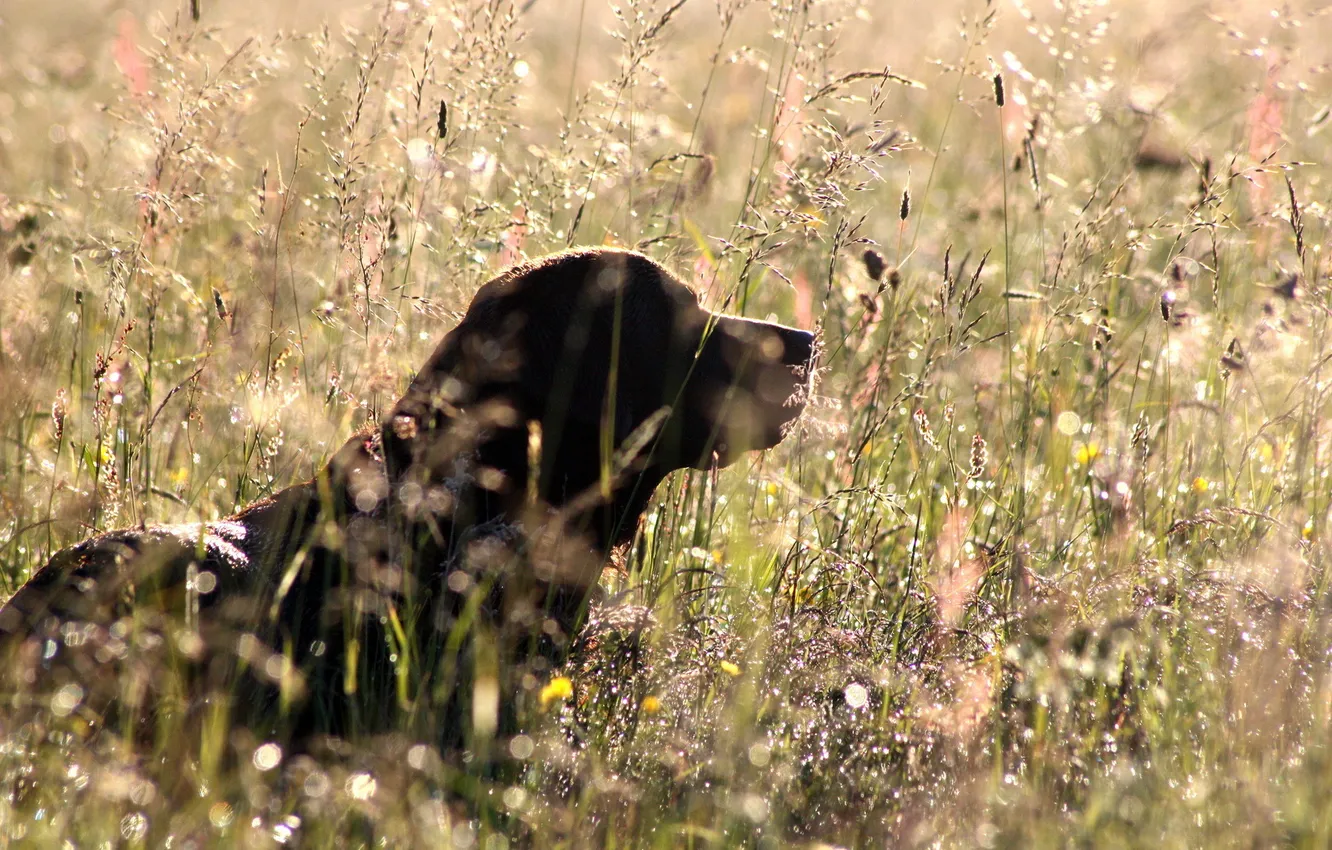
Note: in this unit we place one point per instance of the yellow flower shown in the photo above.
(1201, 484)
(1086, 453)
(559, 688)
(651, 704)
(731, 668)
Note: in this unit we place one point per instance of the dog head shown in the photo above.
(747, 383)
(595, 372)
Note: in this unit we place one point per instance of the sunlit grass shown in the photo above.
(1045, 561)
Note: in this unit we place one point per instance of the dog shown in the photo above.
(430, 576)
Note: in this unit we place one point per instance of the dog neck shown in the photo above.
(573, 483)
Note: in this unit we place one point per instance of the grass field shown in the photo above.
(1047, 561)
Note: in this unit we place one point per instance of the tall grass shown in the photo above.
(1045, 562)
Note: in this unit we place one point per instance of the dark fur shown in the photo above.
(431, 574)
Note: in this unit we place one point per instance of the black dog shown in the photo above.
(431, 574)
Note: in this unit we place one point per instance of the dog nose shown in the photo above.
(797, 347)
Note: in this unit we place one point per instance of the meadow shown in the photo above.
(1046, 561)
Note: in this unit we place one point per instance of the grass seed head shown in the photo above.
(1154, 156)
(1168, 304)
(874, 264)
(870, 305)
(980, 456)
(923, 427)
(59, 408)
(1289, 287)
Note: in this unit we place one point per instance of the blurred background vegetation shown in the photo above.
(1046, 562)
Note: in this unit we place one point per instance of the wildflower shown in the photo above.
(1201, 484)
(856, 695)
(713, 555)
(1086, 453)
(730, 668)
(651, 704)
(559, 688)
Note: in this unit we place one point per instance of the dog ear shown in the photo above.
(456, 397)
(581, 346)
(593, 345)
(579, 375)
